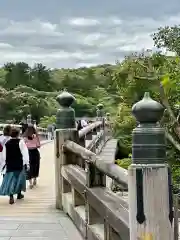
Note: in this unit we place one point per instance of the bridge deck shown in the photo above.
(107, 154)
(35, 217)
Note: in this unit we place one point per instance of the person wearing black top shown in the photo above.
(24, 126)
(16, 158)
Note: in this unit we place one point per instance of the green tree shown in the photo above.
(46, 120)
(40, 78)
(17, 73)
(169, 38)
(159, 75)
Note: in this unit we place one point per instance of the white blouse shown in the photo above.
(3, 140)
(24, 152)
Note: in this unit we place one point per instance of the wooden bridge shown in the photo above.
(73, 198)
(36, 216)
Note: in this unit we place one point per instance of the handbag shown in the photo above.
(27, 172)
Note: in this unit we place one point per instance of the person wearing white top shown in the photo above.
(83, 123)
(16, 161)
(3, 139)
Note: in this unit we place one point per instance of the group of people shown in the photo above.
(80, 124)
(50, 129)
(19, 160)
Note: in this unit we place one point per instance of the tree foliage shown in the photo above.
(160, 75)
(25, 89)
(169, 38)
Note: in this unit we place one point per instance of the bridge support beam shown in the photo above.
(150, 189)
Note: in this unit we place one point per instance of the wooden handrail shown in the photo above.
(83, 132)
(81, 186)
(95, 141)
(110, 169)
(105, 208)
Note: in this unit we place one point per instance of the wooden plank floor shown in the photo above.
(108, 152)
(107, 155)
(41, 199)
(35, 217)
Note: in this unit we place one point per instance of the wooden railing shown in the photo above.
(86, 132)
(97, 212)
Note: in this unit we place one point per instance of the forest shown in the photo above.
(25, 89)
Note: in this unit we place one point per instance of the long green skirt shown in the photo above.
(13, 183)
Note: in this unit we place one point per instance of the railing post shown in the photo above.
(66, 130)
(100, 113)
(82, 141)
(100, 107)
(97, 114)
(94, 178)
(29, 119)
(108, 125)
(94, 133)
(150, 190)
(108, 116)
(176, 218)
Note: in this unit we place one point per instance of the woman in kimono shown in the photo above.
(32, 142)
(16, 159)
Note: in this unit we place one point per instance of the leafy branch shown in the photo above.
(160, 80)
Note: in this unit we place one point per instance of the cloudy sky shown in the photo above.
(75, 33)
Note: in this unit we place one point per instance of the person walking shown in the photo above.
(16, 159)
(84, 123)
(24, 126)
(34, 124)
(53, 130)
(33, 144)
(78, 125)
(49, 130)
(3, 139)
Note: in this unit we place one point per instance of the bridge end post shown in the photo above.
(65, 130)
(101, 117)
(107, 128)
(29, 119)
(150, 189)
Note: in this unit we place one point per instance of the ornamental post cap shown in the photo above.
(147, 110)
(100, 106)
(65, 99)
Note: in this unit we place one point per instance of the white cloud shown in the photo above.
(94, 38)
(77, 42)
(5, 46)
(116, 21)
(13, 28)
(81, 22)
